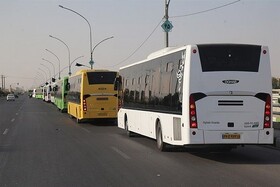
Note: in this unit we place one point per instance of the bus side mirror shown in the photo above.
(118, 83)
(55, 88)
(68, 86)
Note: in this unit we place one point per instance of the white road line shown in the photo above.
(85, 130)
(5, 132)
(125, 156)
(13, 120)
(16, 114)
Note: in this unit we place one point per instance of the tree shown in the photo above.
(275, 83)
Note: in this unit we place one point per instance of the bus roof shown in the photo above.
(90, 70)
(168, 50)
(157, 54)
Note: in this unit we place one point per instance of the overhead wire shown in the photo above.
(203, 11)
(139, 46)
(15, 77)
(191, 14)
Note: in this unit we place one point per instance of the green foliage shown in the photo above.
(275, 83)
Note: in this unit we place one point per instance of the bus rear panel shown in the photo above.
(93, 95)
(231, 86)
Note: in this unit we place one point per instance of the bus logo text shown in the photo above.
(230, 81)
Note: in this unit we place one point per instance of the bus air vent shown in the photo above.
(230, 103)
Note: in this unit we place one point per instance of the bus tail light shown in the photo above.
(84, 105)
(267, 112)
(192, 110)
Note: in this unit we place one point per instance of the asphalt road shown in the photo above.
(39, 146)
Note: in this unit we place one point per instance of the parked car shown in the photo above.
(10, 97)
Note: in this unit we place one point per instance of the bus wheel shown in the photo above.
(78, 120)
(160, 144)
(129, 133)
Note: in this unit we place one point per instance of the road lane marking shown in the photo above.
(13, 120)
(6, 131)
(16, 114)
(125, 156)
(85, 130)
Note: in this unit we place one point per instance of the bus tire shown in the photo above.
(129, 133)
(160, 144)
(78, 120)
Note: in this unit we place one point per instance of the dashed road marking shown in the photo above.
(125, 156)
(13, 120)
(85, 130)
(6, 131)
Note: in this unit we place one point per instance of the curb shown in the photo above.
(276, 125)
(277, 142)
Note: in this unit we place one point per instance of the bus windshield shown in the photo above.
(101, 77)
(231, 57)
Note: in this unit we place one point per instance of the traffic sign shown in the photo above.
(167, 26)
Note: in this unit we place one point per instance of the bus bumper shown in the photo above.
(264, 136)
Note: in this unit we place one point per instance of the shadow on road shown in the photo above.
(103, 122)
(251, 154)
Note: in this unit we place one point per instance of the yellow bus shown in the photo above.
(94, 94)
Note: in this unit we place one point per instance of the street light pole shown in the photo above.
(48, 70)
(76, 59)
(98, 44)
(67, 49)
(58, 62)
(12, 84)
(45, 74)
(79, 65)
(52, 65)
(39, 76)
(90, 35)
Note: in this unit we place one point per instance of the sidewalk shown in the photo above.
(276, 126)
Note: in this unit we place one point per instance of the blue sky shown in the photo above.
(27, 24)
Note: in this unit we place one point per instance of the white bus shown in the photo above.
(47, 93)
(200, 95)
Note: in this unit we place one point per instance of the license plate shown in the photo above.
(231, 136)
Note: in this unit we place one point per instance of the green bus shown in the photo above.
(60, 92)
(38, 93)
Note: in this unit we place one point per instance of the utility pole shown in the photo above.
(166, 6)
(3, 82)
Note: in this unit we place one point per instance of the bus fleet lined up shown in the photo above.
(89, 94)
(211, 94)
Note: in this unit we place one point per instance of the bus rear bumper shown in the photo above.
(264, 136)
(100, 115)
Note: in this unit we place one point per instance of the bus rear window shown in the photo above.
(230, 57)
(101, 77)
